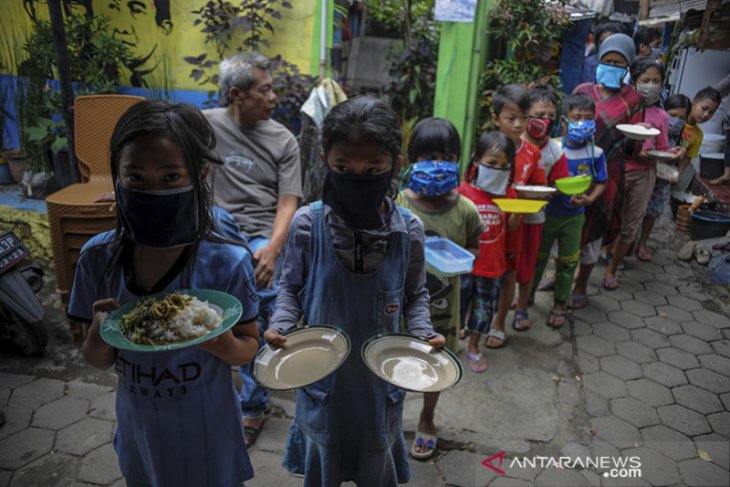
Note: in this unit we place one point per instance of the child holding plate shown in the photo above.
(178, 419)
(355, 261)
(433, 151)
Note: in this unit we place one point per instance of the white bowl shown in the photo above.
(637, 132)
(660, 155)
(538, 192)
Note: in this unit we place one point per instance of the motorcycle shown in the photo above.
(21, 312)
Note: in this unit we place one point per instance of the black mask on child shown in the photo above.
(356, 198)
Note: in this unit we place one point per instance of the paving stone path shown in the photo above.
(643, 372)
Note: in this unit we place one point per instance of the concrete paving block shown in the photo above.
(634, 411)
(716, 446)
(664, 374)
(592, 477)
(596, 405)
(84, 436)
(595, 346)
(616, 431)
(686, 303)
(605, 385)
(674, 313)
(566, 369)
(678, 358)
(100, 466)
(684, 420)
(103, 407)
(5, 477)
(718, 363)
(650, 392)
(707, 379)
(656, 469)
(601, 448)
(720, 423)
(699, 473)
(697, 399)
(638, 308)
(86, 390)
(587, 363)
(553, 477)
(612, 333)
(581, 328)
(24, 447)
(52, 469)
(638, 275)
(702, 331)
(604, 303)
(660, 289)
(4, 396)
(722, 347)
(621, 367)
(629, 285)
(650, 338)
(574, 450)
(650, 297)
(663, 325)
(36, 393)
(273, 436)
(670, 443)
(569, 395)
(725, 398)
(589, 314)
(465, 469)
(11, 381)
(60, 413)
(425, 473)
(507, 482)
(267, 469)
(626, 320)
(636, 352)
(690, 344)
(17, 418)
(620, 294)
(711, 318)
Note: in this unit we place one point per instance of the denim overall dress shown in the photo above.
(348, 426)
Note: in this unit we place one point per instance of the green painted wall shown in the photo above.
(462, 56)
(314, 64)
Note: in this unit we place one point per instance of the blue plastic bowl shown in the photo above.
(445, 258)
(709, 224)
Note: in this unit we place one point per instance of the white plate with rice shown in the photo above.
(171, 320)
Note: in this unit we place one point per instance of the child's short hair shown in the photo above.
(545, 94)
(578, 101)
(490, 141)
(645, 35)
(363, 119)
(640, 66)
(677, 101)
(432, 135)
(708, 93)
(514, 94)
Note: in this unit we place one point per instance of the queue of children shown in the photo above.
(365, 239)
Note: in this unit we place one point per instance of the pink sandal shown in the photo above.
(477, 362)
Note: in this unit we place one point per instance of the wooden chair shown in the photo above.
(73, 217)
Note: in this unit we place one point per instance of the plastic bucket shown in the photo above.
(709, 224)
(712, 165)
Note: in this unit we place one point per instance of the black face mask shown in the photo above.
(165, 218)
(357, 198)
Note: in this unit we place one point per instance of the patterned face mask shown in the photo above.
(581, 131)
(433, 178)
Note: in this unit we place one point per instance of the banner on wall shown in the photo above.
(455, 10)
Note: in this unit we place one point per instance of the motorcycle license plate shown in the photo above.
(12, 251)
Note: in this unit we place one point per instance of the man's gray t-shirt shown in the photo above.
(261, 163)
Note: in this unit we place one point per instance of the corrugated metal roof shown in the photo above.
(670, 8)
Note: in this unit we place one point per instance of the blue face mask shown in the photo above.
(580, 132)
(433, 178)
(611, 76)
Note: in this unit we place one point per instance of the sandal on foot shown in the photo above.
(423, 440)
(251, 433)
(557, 318)
(520, 317)
(644, 255)
(463, 333)
(477, 362)
(546, 284)
(578, 301)
(610, 283)
(499, 335)
(702, 255)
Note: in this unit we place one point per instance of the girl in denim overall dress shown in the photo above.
(354, 260)
(178, 418)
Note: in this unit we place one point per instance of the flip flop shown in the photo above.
(555, 314)
(578, 301)
(423, 440)
(498, 334)
(520, 315)
(702, 255)
(644, 255)
(610, 283)
(251, 434)
(477, 362)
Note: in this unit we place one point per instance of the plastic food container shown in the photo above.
(712, 165)
(573, 185)
(445, 258)
(709, 224)
(514, 205)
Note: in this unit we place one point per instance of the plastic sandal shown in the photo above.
(498, 334)
(555, 314)
(520, 315)
(578, 301)
(477, 362)
(423, 440)
(610, 283)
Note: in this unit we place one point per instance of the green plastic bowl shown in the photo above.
(573, 185)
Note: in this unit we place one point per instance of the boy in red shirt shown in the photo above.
(510, 106)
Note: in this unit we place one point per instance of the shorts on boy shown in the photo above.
(483, 293)
(658, 200)
(637, 191)
(531, 235)
(590, 252)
